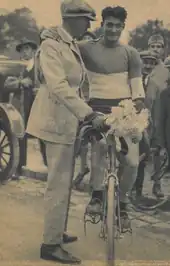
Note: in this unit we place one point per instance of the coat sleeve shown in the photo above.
(56, 80)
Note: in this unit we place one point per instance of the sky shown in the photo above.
(47, 12)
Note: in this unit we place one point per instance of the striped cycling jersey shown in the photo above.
(114, 73)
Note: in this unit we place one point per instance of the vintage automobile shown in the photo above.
(11, 122)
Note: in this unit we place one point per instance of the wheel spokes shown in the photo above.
(3, 139)
(5, 150)
(2, 158)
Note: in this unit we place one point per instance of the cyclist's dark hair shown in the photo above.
(116, 12)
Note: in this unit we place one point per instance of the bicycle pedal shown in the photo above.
(124, 231)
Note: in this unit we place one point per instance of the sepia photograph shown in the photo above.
(84, 132)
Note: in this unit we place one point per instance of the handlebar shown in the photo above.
(85, 134)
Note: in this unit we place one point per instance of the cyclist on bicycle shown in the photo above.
(115, 74)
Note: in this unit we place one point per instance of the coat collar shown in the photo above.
(67, 38)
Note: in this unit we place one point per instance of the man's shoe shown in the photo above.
(58, 254)
(125, 223)
(15, 177)
(156, 191)
(69, 239)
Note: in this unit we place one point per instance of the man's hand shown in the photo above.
(26, 83)
(98, 121)
(139, 104)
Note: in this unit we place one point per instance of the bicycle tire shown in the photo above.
(155, 206)
(110, 221)
(12, 165)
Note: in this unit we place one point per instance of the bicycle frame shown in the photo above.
(111, 172)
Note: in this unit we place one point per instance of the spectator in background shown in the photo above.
(21, 90)
(99, 31)
(165, 116)
(156, 84)
(156, 45)
(149, 61)
(88, 36)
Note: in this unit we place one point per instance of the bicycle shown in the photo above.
(110, 221)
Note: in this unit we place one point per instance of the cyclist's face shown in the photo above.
(112, 28)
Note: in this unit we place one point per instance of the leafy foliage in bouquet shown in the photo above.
(125, 121)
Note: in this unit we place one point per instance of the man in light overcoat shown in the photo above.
(55, 114)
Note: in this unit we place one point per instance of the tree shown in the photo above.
(16, 25)
(140, 35)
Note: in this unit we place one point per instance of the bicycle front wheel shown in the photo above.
(110, 221)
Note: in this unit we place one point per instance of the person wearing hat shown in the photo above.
(21, 92)
(88, 35)
(158, 80)
(156, 45)
(149, 60)
(164, 127)
(164, 121)
(56, 112)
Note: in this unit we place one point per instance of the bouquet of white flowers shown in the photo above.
(124, 121)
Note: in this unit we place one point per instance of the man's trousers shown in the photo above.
(60, 161)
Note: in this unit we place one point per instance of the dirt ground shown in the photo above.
(21, 226)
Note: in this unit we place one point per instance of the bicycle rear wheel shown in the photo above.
(110, 221)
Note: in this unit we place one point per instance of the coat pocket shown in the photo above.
(66, 122)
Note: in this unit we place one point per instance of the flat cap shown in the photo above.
(24, 42)
(77, 8)
(167, 61)
(148, 54)
(156, 38)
